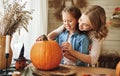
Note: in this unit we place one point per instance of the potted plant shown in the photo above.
(14, 17)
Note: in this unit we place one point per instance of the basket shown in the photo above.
(115, 22)
(2, 54)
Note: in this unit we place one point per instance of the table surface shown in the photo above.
(80, 71)
(30, 70)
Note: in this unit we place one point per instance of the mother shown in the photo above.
(93, 20)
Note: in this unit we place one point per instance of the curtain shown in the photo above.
(37, 26)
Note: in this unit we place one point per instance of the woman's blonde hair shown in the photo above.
(97, 17)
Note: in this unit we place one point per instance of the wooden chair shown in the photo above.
(108, 61)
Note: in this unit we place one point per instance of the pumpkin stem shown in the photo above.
(43, 37)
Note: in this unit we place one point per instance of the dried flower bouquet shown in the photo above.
(15, 17)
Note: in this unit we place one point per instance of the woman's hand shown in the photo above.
(69, 56)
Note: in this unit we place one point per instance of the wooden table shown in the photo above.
(74, 70)
(80, 71)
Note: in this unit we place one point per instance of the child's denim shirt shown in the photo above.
(80, 42)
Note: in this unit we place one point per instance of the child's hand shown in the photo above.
(42, 38)
(66, 46)
(39, 39)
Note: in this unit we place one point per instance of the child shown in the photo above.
(93, 21)
(72, 36)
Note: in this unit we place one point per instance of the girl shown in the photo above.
(93, 21)
(72, 36)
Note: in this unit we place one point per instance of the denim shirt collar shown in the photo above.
(74, 34)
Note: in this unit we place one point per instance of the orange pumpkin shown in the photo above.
(46, 55)
(118, 69)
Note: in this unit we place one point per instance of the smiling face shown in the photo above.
(84, 23)
(70, 16)
(70, 23)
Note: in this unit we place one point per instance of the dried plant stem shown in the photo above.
(14, 17)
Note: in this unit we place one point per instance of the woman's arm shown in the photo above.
(52, 35)
(69, 56)
(95, 50)
(92, 57)
(83, 57)
(81, 54)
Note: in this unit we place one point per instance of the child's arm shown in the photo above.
(52, 35)
(67, 46)
(80, 55)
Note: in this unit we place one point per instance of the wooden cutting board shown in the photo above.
(60, 71)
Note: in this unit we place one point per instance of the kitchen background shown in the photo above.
(44, 21)
(111, 45)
